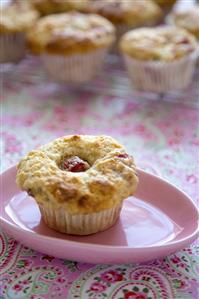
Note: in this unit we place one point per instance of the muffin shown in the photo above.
(46, 7)
(188, 19)
(159, 59)
(72, 45)
(166, 5)
(126, 15)
(16, 18)
(79, 182)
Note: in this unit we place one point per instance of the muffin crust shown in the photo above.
(188, 20)
(165, 3)
(18, 16)
(46, 7)
(70, 33)
(131, 12)
(164, 43)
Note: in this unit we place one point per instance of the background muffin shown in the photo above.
(16, 18)
(126, 15)
(131, 13)
(188, 20)
(159, 59)
(46, 7)
(72, 45)
(166, 5)
(79, 182)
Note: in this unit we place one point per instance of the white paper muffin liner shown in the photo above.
(159, 76)
(76, 68)
(82, 224)
(13, 47)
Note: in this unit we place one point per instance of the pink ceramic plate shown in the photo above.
(159, 220)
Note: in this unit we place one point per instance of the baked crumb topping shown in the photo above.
(129, 12)
(164, 43)
(17, 16)
(188, 20)
(69, 33)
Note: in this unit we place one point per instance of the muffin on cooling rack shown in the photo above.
(72, 45)
(187, 19)
(16, 18)
(126, 15)
(166, 5)
(79, 182)
(46, 7)
(159, 59)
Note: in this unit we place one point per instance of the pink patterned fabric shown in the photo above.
(159, 130)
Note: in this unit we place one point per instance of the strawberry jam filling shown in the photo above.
(123, 156)
(74, 164)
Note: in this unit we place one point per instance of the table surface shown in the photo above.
(161, 131)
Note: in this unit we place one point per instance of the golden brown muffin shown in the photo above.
(17, 16)
(79, 175)
(164, 43)
(46, 7)
(108, 178)
(131, 12)
(166, 5)
(188, 20)
(70, 33)
(159, 59)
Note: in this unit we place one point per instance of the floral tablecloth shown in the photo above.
(161, 131)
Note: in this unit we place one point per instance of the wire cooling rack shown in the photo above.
(112, 80)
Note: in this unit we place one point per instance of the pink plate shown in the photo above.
(159, 220)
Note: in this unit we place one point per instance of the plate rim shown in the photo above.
(187, 239)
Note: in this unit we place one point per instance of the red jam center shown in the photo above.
(123, 156)
(74, 164)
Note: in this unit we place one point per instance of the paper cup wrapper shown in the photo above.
(77, 68)
(161, 76)
(82, 224)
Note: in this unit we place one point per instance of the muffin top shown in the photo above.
(131, 12)
(188, 20)
(16, 16)
(164, 43)
(70, 33)
(46, 7)
(80, 173)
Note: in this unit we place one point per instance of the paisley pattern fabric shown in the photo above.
(162, 133)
